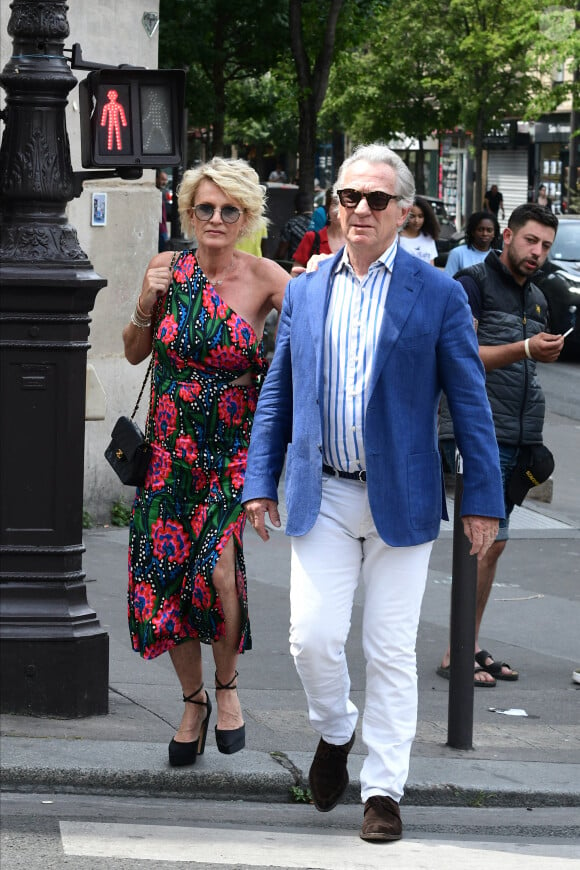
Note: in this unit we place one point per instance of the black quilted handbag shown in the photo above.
(129, 452)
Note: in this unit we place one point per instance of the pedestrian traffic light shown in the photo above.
(132, 117)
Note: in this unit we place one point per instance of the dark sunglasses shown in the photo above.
(377, 199)
(229, 213)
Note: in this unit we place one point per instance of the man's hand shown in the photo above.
(545, 347)
(256, 511)
(482, 532)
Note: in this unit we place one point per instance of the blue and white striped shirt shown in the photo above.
(352, 327)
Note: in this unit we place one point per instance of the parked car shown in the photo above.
(559, 279)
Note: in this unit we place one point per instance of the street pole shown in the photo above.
(53, 650)
(462, 633)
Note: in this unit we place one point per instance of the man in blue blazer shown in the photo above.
(365, 345)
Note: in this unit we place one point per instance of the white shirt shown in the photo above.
(352, 327)
(423, 246)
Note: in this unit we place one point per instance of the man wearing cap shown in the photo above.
(365, 345)
(512, 313)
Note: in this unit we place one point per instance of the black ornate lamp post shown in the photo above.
(53, 651)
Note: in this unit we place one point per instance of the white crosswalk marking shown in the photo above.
(268, 848)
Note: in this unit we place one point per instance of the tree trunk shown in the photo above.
(307, 146)
(420, 169)
(312, 84)
(219, 87)
(478, 146)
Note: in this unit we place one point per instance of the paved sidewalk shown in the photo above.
(531, 760)
(531, 621)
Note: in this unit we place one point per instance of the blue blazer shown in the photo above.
(426, 344)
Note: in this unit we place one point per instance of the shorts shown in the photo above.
(508, 457)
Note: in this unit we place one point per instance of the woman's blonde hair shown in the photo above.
(237, 179)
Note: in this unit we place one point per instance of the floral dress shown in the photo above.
(189, 506)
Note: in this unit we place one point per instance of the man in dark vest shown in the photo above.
(510, 314)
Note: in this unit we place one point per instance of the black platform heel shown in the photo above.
(229, 742)
(181, 754)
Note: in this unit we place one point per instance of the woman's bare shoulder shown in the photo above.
(270, 270)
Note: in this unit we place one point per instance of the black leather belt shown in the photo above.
(346, 475)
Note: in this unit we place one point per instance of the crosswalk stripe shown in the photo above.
(272, 849)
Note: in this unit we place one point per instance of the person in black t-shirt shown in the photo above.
(493, 201)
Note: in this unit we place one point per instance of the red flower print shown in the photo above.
(186, 448)
(156, 648)
(213, 303)
(170, 541)
(143, 602)
(200, 593)
(167, 620)
(198, 520)
(215, 489)
(199, 479)
(184, 268)
(177, 361)
(252, 400)
(240, 331)
(231, 407)
(165, 418)
(159, 469)
(190, 391)
(237, 469)
(167, 329)
(228, 358)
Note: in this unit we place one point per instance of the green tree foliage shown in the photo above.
(422, 70)
(220, 42)
(391, 84)
(262, 116)
(492, 64)
(313, 28)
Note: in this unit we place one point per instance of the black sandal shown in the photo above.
(495, 668)
(231, 741)
(181, 754)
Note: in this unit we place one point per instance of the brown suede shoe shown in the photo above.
(328, 775)
(382, 819)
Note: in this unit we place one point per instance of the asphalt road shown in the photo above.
(561, 384)
(45, 832)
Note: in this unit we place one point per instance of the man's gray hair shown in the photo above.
(379, 153)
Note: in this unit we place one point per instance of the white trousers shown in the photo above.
(327, 563)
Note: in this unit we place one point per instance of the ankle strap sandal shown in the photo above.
(231, 741)
(229, 685)
(189, 698)
(181, 754)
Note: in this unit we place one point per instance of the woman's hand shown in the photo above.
(155, 286)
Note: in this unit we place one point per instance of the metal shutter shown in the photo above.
(509, 170)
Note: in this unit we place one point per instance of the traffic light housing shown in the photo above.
(132, 117)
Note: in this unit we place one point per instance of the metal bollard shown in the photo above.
(462, 631)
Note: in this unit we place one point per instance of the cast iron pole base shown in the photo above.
(53, 677)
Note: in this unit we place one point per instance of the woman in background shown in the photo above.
(543, 199)
(421, 231)
(482, 233)
(328, 240)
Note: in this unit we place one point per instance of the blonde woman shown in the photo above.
(202, 316)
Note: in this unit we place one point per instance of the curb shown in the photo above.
(116, 768)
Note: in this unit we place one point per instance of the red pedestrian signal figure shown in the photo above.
(112, 117)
